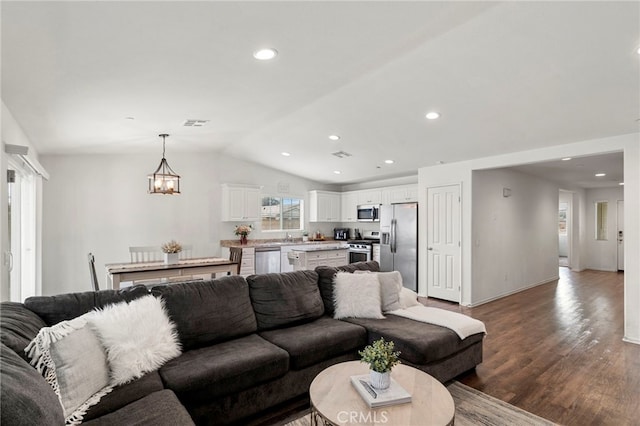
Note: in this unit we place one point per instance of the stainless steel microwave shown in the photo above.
(369, 213)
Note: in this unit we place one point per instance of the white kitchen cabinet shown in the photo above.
(324, 206)
(248, 262)
(370, 196)
(240, 202)
(309, 260)
(349, 201)
(400, 194)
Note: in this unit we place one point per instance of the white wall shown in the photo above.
(603, 254)
(515, 238)
(461, 173)
(99, 204)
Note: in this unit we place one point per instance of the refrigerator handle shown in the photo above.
(393, 235)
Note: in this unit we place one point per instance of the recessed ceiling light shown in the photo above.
(265, 54)
(600, 174)
(337, 172)
(432, 115)
(286, 154)
(334, 137)
(566, 159)
(621, 184)
(389, 161)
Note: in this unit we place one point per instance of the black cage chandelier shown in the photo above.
(164, 180)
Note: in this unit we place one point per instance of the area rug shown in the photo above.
(474, 408)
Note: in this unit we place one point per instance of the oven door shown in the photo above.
(359, 256)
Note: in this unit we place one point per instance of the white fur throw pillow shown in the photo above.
(408, 298)
(356, 296)
(72, 360)
(138, 337)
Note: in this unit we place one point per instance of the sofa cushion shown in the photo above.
(418, 342)
(18, 326)
(53, 309)
(317, 341)
(159, 409)
(282, 299)
(25, 398)
(126, 394)
(209, 311)
(325, 279)
(224, 368)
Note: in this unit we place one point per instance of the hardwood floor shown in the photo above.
(556, 350)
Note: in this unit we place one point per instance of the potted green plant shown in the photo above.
(305, 235)
(171, 252)
(381, 357)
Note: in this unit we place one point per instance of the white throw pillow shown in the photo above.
(356, 296)
(72, 360)
(390, 286)
(138, 337)
(408, 298)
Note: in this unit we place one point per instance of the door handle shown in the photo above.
(393, 236)
(430, 248)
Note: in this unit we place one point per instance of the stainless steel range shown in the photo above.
(362, 250)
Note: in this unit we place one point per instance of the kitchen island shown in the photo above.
(248, 261)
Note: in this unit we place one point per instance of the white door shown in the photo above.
(443, 242)
(620, 235)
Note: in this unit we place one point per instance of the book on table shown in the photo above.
(394, 394)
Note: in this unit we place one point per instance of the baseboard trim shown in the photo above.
(628, 340)
(500, 296)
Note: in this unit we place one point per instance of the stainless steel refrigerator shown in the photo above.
(399, 241)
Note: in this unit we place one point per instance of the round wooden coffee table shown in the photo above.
(334, 401)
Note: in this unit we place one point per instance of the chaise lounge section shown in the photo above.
(248, 345)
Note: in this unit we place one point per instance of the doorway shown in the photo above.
(21, 214)
(620, 235)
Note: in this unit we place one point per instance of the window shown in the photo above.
(280, 213)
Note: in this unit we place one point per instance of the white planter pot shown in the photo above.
(380, 380)
(305, 238)
(171, 258)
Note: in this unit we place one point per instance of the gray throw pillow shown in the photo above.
(72, 360)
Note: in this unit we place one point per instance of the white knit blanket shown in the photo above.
(463, 325)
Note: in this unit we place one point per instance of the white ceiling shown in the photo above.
(506, 77)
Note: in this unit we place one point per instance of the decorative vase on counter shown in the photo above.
(171, 258)
(243, 239)
(380, 380)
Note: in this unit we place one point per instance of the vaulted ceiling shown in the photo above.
(108, 77)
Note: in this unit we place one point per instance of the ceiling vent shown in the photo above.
(195, 123)
(341, 154)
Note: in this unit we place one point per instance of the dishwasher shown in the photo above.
(267, 260)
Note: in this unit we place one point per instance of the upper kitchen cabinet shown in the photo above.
(370, 196)
(400, 194)
(240, 202)
(324, 206)
(349, 202)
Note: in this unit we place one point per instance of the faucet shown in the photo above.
(289, 237)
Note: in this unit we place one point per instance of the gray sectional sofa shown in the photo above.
(249, 345)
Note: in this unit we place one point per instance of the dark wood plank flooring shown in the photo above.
(556, 350)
